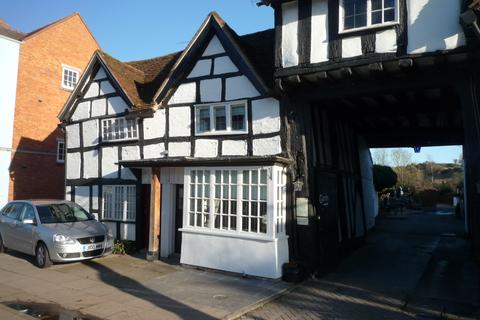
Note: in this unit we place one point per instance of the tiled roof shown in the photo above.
(141, 79)
(7, 31)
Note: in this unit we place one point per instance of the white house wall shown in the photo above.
(370, 198)
(319, 47)
(431, 25)
(9, 49)
(235, 254)
(290, 34)
(434, 25)
(91, 163)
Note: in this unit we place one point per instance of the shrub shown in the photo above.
(122, 247)
(383, 177)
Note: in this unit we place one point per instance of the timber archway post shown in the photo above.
(469, 90)
(155, 214)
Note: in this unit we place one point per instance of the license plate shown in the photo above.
(91, 247)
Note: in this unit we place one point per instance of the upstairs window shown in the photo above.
(69, 77)
(60, 151)
(118, 129)
(361, 14)
(222, 118)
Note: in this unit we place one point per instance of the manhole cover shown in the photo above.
(220, 297)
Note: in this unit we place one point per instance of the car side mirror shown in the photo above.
(28, 221)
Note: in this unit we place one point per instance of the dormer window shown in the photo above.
(69, 77)
(221, 118)
(363, 14)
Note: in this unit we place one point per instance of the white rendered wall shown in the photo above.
(73, 136)
(370, 198)
(351, 47)
(82, 197)
(386, 41)
(185, 93)
(9, 55)
(289, 34)
(267, 146)
(109, 160)
(261, 258)
(319, 47)
(239, 87)
(179, 122)
(265, 116)
(234, 148)
(206, 148)
(214, 47)
(155, 127)
(434, 25)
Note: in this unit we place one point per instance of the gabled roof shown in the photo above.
(229, 40)
(142, 82)
(7, 31)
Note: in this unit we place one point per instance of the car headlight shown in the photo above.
(62, 239)
(110, 233)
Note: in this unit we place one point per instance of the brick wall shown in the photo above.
(35, 172)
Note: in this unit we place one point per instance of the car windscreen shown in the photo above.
(62, 213)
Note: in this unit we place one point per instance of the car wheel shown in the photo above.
(2, 246)
(42, 258)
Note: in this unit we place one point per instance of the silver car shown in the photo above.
(53, 230)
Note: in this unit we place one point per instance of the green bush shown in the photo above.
(122, 247)
(383, 177)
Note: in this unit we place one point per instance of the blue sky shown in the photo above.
(138, 29)
(437, 154)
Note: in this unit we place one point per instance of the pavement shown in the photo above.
(419, 267)
(125, 287)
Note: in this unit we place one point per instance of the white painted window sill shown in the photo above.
(234, 234)
(220, 133)
(372, 27)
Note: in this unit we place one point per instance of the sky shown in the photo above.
(445, 154)
(138, 29)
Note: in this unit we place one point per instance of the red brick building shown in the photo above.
(51, 61)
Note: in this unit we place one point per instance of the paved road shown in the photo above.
(414, 268)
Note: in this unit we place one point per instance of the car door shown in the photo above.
(3, 221)
(23, 233)
(9, 222)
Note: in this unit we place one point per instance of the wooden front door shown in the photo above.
(178, 217)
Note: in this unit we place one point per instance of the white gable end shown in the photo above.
(185, 93)
(116, 105)
(239, 88)
(214, 47)
(100, 74)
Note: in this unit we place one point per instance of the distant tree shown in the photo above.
(401, 158)
(380, 156)
(383, 177)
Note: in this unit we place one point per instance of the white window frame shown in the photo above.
(341, 19)
(61, 155)
(127, 201)
(275, 226)
(228, 108)
(70, 69)
(125, 130)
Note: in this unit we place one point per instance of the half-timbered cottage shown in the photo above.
(186, 153)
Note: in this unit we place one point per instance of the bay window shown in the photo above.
(240, 200)
(221, 118)
(361, 14)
